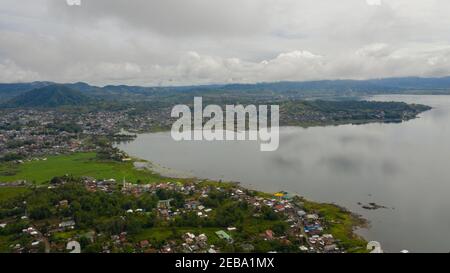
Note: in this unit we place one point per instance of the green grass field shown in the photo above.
(11, 192)
(80, 164)
(4, 244)
(165, 233)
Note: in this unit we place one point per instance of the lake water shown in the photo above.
(404, 167)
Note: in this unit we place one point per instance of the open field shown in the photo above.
(80, 164)
(11, 192)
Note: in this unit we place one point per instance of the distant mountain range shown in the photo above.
(57, 94)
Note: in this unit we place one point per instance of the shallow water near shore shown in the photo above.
(403, 168)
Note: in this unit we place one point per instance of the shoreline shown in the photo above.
(349, 229)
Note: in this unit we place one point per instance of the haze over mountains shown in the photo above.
(49, 94)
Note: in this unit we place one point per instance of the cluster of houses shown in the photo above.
(192, 243)
(306, 227)
(40, 132)
(105, 185)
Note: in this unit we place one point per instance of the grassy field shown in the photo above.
(165, 233)
(4, 244)
(80, 164)
(11, 192)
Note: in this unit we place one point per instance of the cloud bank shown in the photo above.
(174, 42)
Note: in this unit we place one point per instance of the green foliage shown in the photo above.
(269, 214)
(79, 164)
(49, 96)
(177, 197)
(232, 213)
(11, 157)
(280, 228)
(215, 199)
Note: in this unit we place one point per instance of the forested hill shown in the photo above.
(248, 92)
(49, 96)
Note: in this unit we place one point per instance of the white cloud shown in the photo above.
(373, 2)
(216, 41)
(73, 2)
(11, 72)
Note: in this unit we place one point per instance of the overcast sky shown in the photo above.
(173, 42)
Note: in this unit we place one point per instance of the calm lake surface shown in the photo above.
(403, 166)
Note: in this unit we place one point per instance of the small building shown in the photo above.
(144, 244)
(268, 234)
(330, 248)
(67, 224)
(202, 238)
(224, 236)
(164, 204)
(301, 213)
(312, 217)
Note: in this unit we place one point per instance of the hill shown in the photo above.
(255, 92)
(48, 96)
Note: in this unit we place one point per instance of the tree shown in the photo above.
(280, 228)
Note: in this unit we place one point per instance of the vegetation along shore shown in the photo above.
(110, 206)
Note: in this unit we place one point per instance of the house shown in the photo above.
(330, 248)
(164, 204)
(268, 234)
(313, 217)
(212, 251)
(301, 213)
(144, 244)
(224, 236)
(303, 248)
(67, 224)
(279, 208)
(202, 238)
(191, 205)
(166, 249)
(328, 239)
(189, 235)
